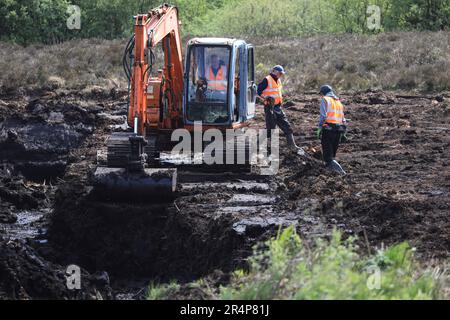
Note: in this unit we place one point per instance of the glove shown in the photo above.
(319, 133)
(269, 101)
(344, 137)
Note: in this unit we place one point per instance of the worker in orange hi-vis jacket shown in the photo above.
(332, 126)
(270, 90)
(217, 75)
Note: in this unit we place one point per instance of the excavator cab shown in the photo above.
(220, 89)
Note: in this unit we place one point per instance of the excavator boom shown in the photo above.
(160, 25)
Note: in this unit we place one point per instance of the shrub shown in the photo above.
(73, 64)
(408, 60)
(156, 292)
(287, 268)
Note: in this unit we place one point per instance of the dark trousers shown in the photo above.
(330, 144)
(275, 116)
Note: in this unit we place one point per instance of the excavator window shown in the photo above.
(251, 88)
(208, 84)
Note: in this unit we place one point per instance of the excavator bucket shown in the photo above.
(121, 174)
(144, 185)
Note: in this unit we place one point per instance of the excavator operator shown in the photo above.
(216, 75)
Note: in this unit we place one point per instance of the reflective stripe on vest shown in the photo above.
(273, 90)
(335, 111)
(219, 81)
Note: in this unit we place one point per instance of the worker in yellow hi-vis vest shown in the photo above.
(270, 90)
(332, 126)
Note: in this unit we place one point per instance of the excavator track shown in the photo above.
(188, 163)
(151, 148)
(118, 150)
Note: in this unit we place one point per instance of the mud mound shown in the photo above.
(154, 240)
(373, 97)
(26, 275)
(6, 215)
(40, 129)
(46, 129)
(383, 217)
(17, 194)
(15, 191)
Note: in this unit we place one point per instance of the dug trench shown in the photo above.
(39, 130)
(396, 190)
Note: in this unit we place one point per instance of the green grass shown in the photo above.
(287, 268)
(156, 292)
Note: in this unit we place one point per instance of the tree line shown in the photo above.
(51, 21)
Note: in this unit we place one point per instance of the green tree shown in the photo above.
(110, 18)
(418, 15)
(27, 21)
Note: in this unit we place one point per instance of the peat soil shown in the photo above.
(396, 189)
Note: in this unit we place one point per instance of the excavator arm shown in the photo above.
(155, 102)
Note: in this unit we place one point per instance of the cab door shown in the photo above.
(251, 84)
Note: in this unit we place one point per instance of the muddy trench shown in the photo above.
(396, 190)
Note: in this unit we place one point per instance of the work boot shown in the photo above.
(335, 166)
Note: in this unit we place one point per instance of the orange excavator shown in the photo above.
(215, 85)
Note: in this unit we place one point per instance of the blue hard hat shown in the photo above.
(325, 89)
(279, 69)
